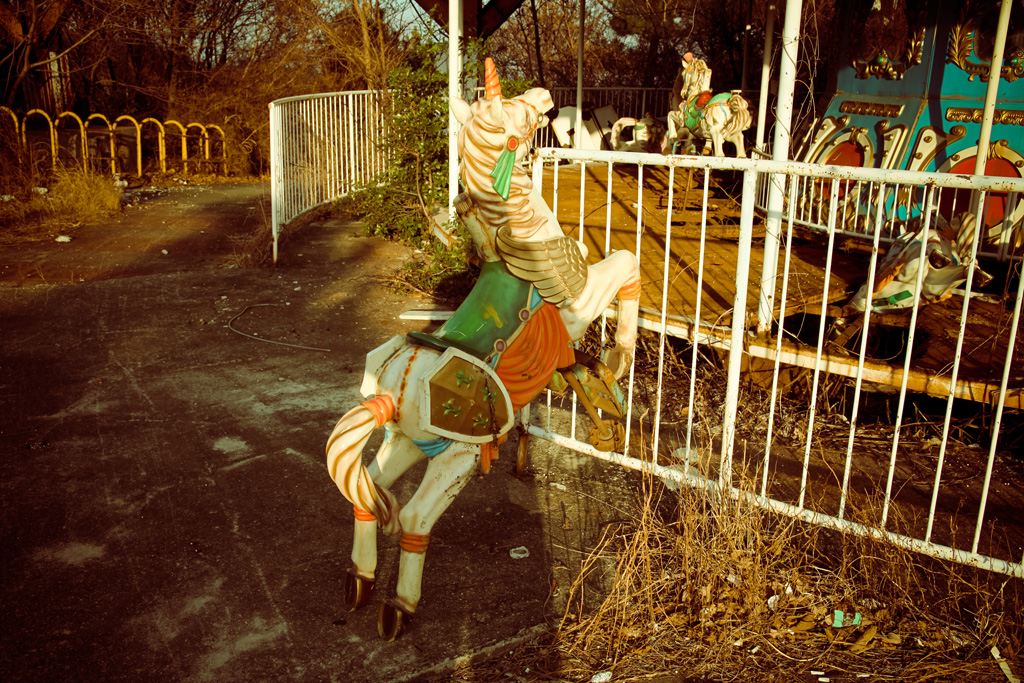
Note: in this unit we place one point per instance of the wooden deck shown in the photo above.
(938, 324)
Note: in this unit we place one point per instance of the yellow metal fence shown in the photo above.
(99, 144)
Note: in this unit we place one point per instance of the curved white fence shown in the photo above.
(821, 466)
(324, 146)
(321, 148)
(818, 463)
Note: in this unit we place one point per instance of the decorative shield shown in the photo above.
(464, 399)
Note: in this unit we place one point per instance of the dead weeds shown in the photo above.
(712, 589)
(44, 208)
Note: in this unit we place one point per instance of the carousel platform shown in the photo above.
(937, 326)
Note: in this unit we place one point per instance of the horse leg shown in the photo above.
(737, 140)
(616, 277)
(394, 457)
(447, 474)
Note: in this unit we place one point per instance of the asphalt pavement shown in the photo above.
(166, 512)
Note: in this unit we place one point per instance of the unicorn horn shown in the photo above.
(492, 85)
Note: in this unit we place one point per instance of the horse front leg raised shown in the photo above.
(616, 277)
(394, 457)
(447, 474)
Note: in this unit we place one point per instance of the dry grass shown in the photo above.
(707, 589)
(717, 590)
(71, 198)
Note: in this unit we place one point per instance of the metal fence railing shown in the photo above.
(100, 145)
(838, 468)
(322, 147)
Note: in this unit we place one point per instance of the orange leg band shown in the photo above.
(382, 407)
(629, 291)
(362, 515)
(414, 543)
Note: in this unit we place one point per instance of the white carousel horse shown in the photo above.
(451, 397)
(717, 118)
(946, 258)
(647, 136)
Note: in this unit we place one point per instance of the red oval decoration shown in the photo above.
(995, 205)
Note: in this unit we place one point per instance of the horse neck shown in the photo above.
(524, 212)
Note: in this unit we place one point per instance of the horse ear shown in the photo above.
(496, 111)
(461, 109)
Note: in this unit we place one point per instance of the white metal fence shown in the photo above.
(832, 469)
(825, 461)
(324, 146)
(321, 148)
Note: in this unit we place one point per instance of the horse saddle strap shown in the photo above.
(554, 266)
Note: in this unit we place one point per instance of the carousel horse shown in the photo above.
(451, 396)
(697, 112)
(642, 135)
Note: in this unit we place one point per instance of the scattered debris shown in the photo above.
(520, 553)
(63, 238)
(1004, 665)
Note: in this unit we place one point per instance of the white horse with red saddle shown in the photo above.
(696, 111)
(452, 396)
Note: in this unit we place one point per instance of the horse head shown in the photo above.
(497, 134)
(696, 77)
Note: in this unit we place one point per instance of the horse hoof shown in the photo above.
(392, 620)
(357, 591)
(618, 361)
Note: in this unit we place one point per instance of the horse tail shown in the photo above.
(345, 461)
(738, 103)
(741, 118)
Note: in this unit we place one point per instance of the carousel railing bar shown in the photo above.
(679, 476)
(739, 314)
(664, 310)
(833, 208)
(1006, 233)
(925, 235)
(607, 244)
(777, 364)
(957, 354)
(997, 422)
(956, 181)
(342, 145)
(862, 353)
(696, 315)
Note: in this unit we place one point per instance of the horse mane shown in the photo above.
(480, 144)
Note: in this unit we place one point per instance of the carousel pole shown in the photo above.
(454, 90)
(994, 75)
(780, 152)
(766, 79)
(579, 77)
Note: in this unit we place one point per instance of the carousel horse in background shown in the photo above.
(696, 112)
(451, 397)
(641, 135)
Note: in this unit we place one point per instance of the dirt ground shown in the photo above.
(166, 513)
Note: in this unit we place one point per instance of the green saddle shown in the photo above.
(495, 310)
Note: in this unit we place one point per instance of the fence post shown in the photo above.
(739, 330)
